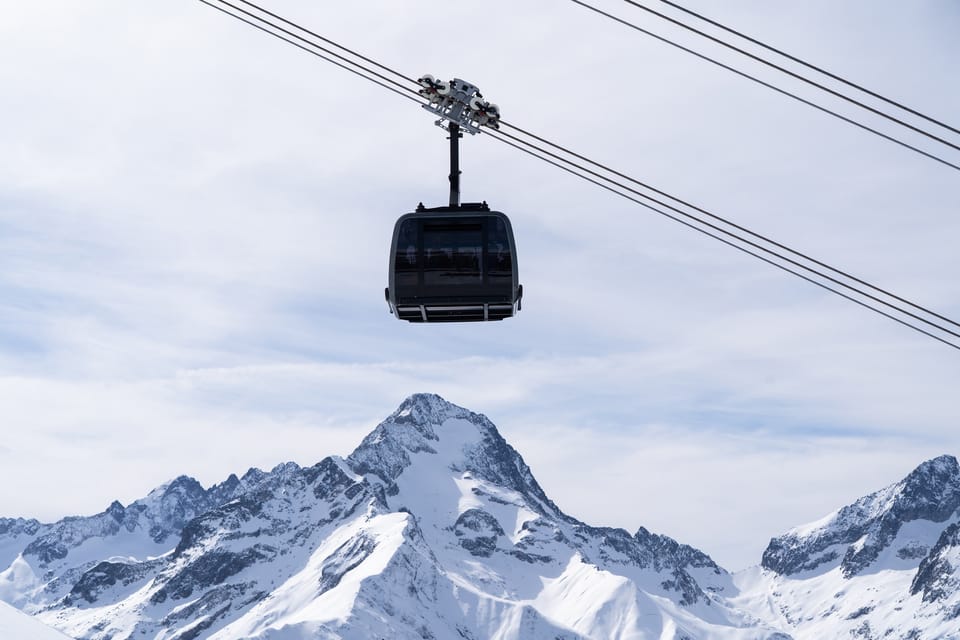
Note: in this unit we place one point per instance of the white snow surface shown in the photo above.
(877, 604)
(16, 625)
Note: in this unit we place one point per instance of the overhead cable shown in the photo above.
(792, 74)
(327, 40)
(748, 242)
(769, 85)
(735, 246)
(726, 221)
(305, 40)
(811, 66)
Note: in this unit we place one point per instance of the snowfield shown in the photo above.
(16, 625)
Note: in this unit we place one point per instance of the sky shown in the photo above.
(195, 220)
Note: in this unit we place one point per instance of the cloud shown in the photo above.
(194, 222)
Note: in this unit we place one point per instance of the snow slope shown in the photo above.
(15, 625)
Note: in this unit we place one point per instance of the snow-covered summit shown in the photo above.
(411, 429)
(430, 409)
(453, 439)
(416, 426)
(857, 533)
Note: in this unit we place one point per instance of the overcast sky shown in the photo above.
(195, 218)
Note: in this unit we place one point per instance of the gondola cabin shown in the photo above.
(453, 264)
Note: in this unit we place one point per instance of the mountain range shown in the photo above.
(435, 527)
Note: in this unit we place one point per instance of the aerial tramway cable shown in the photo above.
(327, 40)
(790, 73)
(737, 247)
(415, 97)
(727, 222)
(745, 241)
(605, 182)
(773, 87)
(811, 66)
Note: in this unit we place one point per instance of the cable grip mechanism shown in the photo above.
(458, 102)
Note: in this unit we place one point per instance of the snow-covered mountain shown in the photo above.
(886, 566)
(434, 527)
(44, 561)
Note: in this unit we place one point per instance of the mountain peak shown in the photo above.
(930, 492)
(946, 461)
(428, 408)
(413, 428)
(938, 474)
(180, 486)
(453, 438)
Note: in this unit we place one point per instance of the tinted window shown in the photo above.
(452, 253)
(405, 262)
(499, 261)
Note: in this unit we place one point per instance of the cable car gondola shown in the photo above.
(453, 264)
(456, 263)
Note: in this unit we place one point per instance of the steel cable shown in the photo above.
(771, 86)
(813, 67)
(728, 233)
(790, 73)
(734, 245)
(730, 223)
(313, 44)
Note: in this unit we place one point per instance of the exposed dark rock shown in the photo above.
(477, 521)
(530, 558)
(46, 550)
(912, 551)
(327, 479)
(208, 570)
(18, 526)
(346, 558)
(116, 510)
(211, 601)
(205, 623)
(104, 575)
(937, 577)
(859, 613)
(669, 554)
